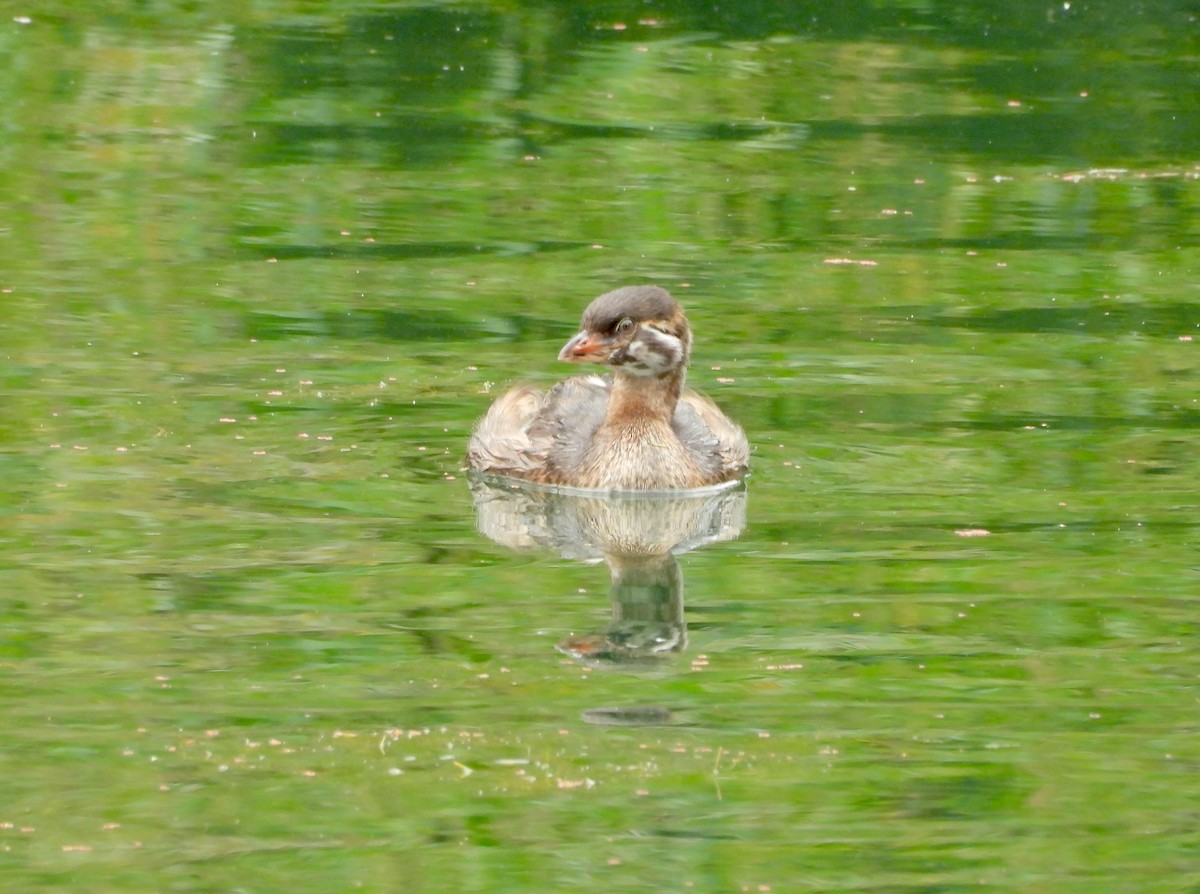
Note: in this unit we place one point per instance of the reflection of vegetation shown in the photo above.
(751, 142)
(745, 126)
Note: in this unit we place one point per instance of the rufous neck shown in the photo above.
(644, 397)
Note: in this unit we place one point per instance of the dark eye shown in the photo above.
(624, 326)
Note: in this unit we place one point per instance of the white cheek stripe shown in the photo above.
(657, 358)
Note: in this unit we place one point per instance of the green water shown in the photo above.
(262, 265)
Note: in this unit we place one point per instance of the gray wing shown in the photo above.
(711, 437)
(528, 434)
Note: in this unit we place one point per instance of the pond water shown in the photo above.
(263, 265)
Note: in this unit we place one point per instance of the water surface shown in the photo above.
(262, 267)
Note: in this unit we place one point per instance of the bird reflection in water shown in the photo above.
(638, 535)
